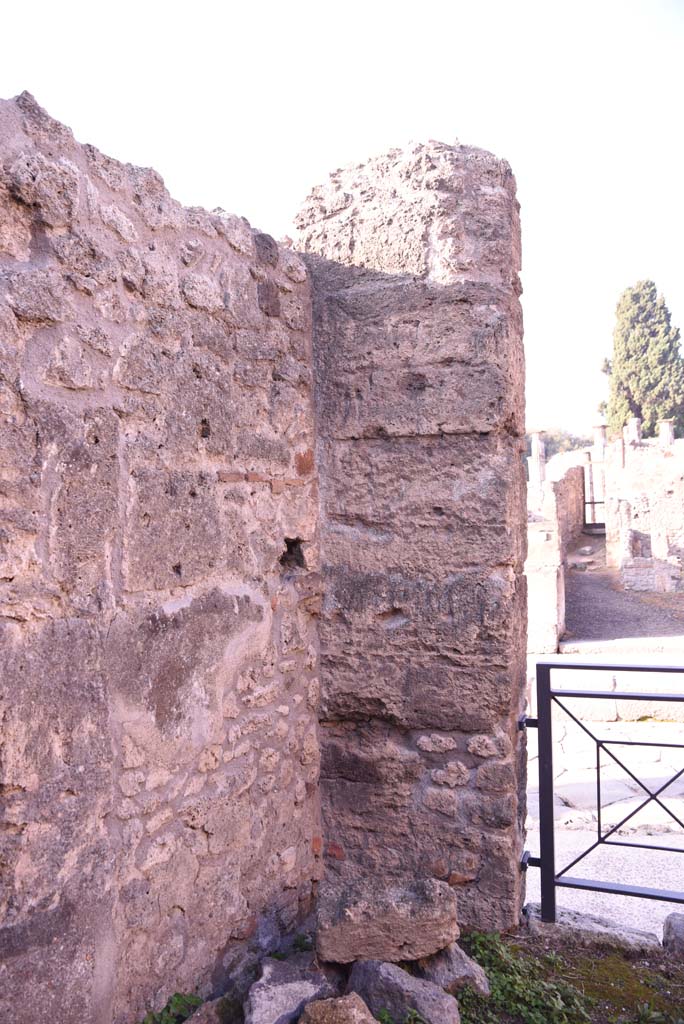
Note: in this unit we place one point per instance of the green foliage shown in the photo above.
(523, 990)
(647, 1015)
(302, 944)
(412, 1017)
(179, 1007)
(646, 372)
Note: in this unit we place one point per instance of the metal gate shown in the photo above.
(547, 698)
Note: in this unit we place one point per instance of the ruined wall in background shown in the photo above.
(419, 390)
(644, 523)
(159, 756)
(552, 528)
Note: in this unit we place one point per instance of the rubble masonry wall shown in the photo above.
(160, 583)
(159, 757)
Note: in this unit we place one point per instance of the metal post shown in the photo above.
(546, 836)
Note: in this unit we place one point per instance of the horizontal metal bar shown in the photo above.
(620, 890)
(619, 695)
(644, 846)
(582, 664)
(640, 743)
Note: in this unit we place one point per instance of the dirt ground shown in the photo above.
(597, 608)
(616, 985)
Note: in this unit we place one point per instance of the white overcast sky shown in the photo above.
(246, 106)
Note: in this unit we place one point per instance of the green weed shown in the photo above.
(180, 1006)
(521, 990)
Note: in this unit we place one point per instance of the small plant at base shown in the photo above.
(302, 944)
(647, 1015)
(519, 989)
(179, 1008)
(412, 1017)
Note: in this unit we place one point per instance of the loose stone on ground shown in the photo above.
(284, 989)
(388, 987)
(453, 970)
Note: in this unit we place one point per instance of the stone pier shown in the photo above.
(414, 259)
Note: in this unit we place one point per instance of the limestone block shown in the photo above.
(349, 1009)
(284, 989)
(673, 934)
(453, 970)
(387, 987)
(589, 930)
(417, 691)
(384, 496)
(395, 922)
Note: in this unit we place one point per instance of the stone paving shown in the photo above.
(576, 812)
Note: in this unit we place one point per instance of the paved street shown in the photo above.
(576, 814)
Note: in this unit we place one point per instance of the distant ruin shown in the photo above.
(645, 509)
(263, 514)
(631, 490)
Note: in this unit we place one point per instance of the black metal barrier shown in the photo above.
(546, 697)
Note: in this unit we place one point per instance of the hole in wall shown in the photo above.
(205, 429)
(393, 618)
(177, 568)
(293, 555)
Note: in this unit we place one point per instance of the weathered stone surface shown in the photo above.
(284, 989)
(589, 930)
(160, 757)
(394, 922)
(216, 1011)
(349, 1009)
(673, 934)
(452, 970)
(388, 987)
(160, 573)
(419, 386)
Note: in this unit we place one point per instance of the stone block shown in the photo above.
(591, 931)
(673, 935)
(453, 970)
(284, 989)
(349, 1009)
(387, 987)
(394, 922)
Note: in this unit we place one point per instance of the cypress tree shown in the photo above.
(647, 370)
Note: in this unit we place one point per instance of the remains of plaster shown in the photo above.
(159, 558)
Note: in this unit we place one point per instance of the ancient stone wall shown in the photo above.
(419, 390)
(157, 587)
(160, 584)
(551, 530)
